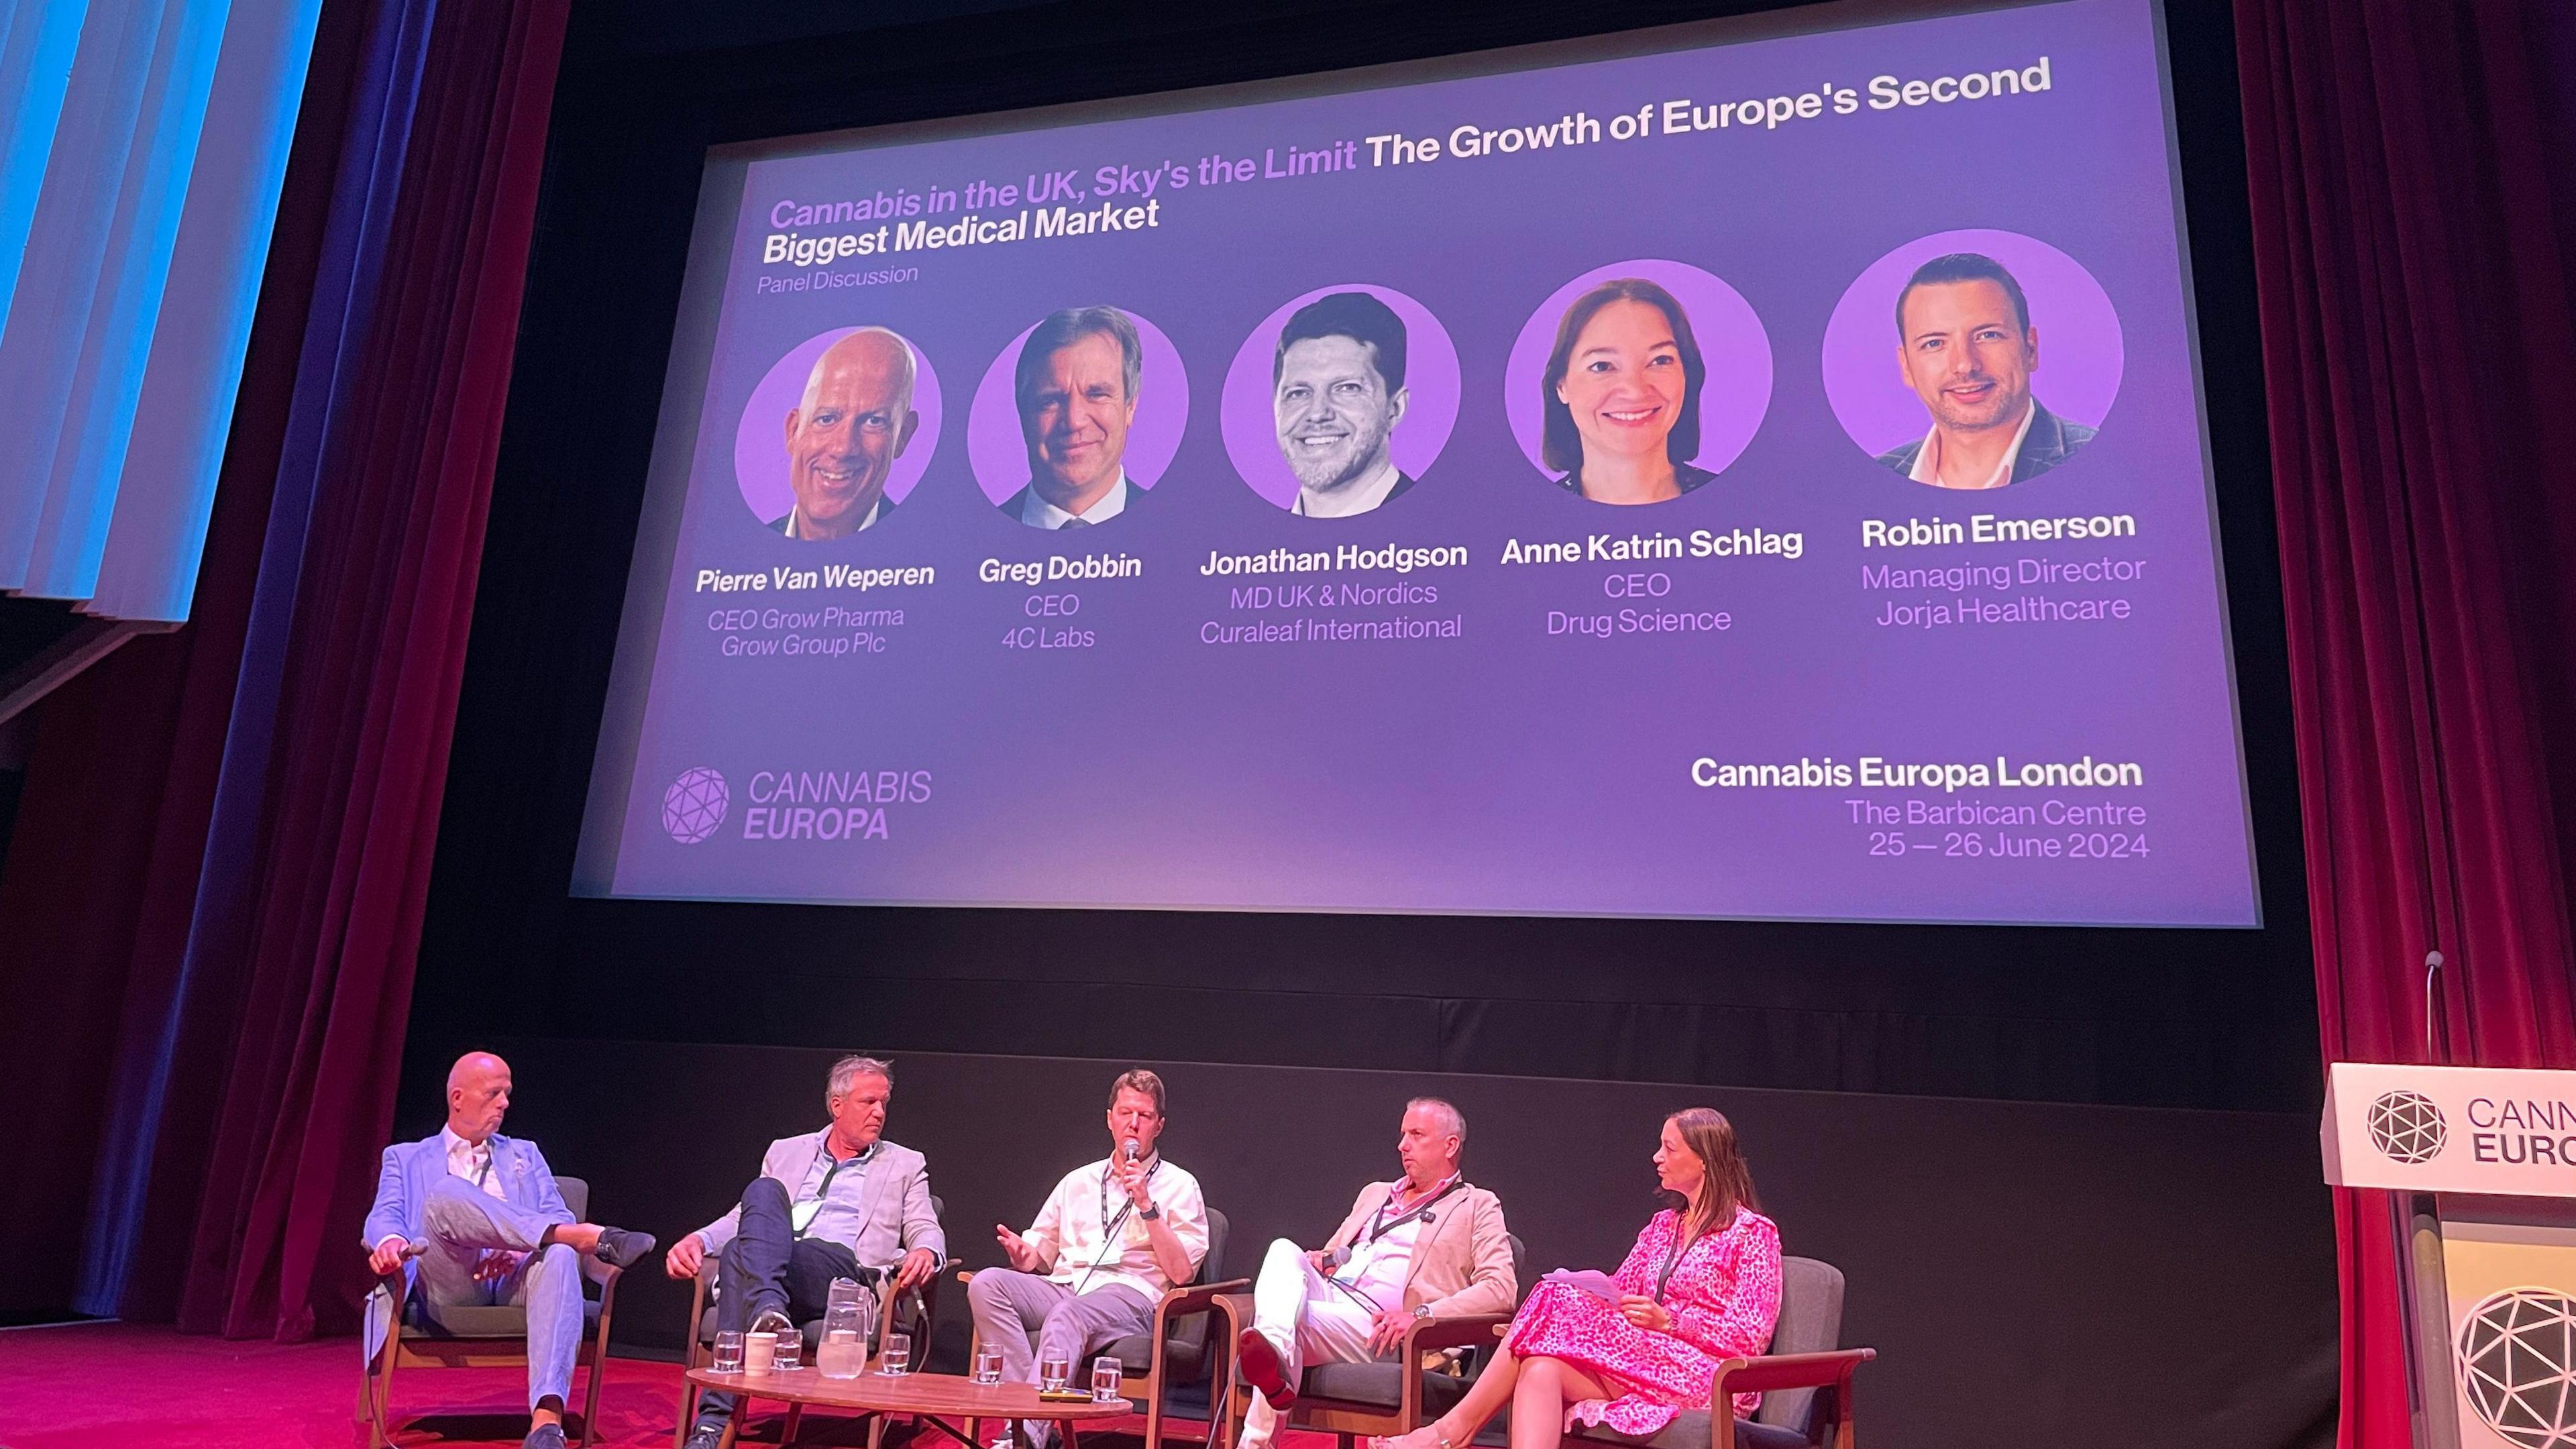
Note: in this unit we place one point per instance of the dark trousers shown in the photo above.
(767, 1266)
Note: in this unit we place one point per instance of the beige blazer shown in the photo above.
(1462, 1264)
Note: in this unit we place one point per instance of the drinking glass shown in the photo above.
(988, 1364)
(1054, 1372)
(1105, 1376)
(790, 1352)
(896, 1360)
(728, 1358)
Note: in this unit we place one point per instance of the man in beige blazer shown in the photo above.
(1427, 1245)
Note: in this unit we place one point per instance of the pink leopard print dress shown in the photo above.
(1724, 1295)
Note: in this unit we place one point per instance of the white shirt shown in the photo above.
(472, 1161)
(796, 519)
(1927, 459)
(1378, 1266)
(1086, 1257)
(1038, 513)
(1358, 498)
(469, 1160)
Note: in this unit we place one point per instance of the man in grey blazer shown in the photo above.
(827, 1204)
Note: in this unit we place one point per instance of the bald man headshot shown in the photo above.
(1967, 347)
(1074, 388)
(844, 434)
(466, 1217)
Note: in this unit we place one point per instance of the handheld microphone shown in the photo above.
(1133, 1151)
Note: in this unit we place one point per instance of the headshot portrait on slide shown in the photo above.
(1078, 417)
(844, 435)
(1339, 399)
(1967, 346)
(1639, 383)
(861, 412)
(1337, 394)
(1963, 407)
(1075, 391)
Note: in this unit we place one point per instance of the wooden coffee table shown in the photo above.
(933, 1399)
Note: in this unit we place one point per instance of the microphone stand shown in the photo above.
(2416, 1218)
(2437, 1036)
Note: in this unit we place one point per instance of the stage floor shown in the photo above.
(117, 1386)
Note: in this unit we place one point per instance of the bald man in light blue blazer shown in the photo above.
(471, 1218)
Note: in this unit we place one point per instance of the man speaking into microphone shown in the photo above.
(1427, 1245)
(1114, 1236)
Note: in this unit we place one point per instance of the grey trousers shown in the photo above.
(462, 1222)
(1008, 1304)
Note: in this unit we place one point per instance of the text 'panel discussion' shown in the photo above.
(1016, 724)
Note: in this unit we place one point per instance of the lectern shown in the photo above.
(2480, 1165)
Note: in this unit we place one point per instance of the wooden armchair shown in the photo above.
(487, 1337)
(1180, 1349)
(1805, 1382)
(1386, 1397)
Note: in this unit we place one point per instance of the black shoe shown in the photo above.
(544, 1436)
(619, 1248)
(705, 1436)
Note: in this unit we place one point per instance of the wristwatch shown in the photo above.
(1422, 1310)
(1150, 1211)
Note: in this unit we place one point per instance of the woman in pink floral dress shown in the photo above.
(1702, 1284)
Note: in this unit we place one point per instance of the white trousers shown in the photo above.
(1308, 1320)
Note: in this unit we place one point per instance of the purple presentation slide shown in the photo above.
(1760, 479)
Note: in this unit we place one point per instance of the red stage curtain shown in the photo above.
(380, 632)
(2421, 378)
(283, 1051)
(121, 779)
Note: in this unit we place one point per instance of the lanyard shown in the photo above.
(1681, 1244)
(802, 1215)
(1126, 1205)
(1109, 1226)
(1381, 1224)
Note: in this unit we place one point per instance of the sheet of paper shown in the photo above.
(1590, 1280)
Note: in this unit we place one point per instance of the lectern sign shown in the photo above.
(2486, 1269)
(2451, 1129)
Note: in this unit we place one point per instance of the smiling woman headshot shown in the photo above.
(1621, 396)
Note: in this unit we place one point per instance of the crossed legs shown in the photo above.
(767, 1266)
(1307, 1321)
(464, 1224)
(1538, 1389)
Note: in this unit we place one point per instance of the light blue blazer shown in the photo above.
(411, 1169)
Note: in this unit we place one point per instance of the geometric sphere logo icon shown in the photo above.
(694, 805)
(2407, 1127)
(2517, 1366)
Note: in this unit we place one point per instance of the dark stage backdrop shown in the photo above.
(2031, 1274)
